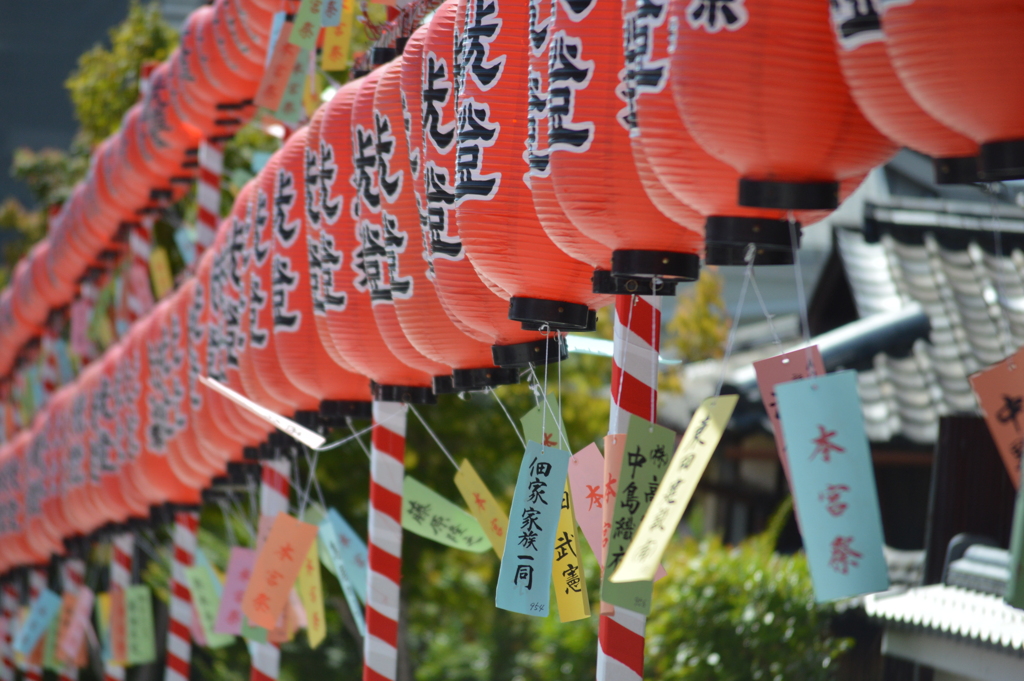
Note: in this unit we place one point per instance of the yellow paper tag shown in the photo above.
(482, 505)
(160, 272)
(312, 596)
(566, 567)
(666, 510)
(337, 40)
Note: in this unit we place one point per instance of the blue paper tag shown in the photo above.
(834, 484)
(185, 240)
(275, 31)
(524, 580)
(43, 610)
(353, 553)
(332, 547)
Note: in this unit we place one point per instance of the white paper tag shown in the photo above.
(287, 426)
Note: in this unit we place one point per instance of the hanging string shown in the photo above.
(558, 417)
(437, 440)
(801, 295)
(656, 348)
(544, 392)
(764, 309)
(311, 474)
(354, 436)
(362, 445)
(515, 428)
(747, 274)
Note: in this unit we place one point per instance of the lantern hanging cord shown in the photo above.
(748, 273)
(437, 440)
(362, 445)
(764, 309)
(515, 428)
(311, 463)
(354, 436)
(801, 295)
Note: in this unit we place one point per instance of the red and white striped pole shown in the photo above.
(274, 491)
(36, 584)
(179, 630)
(211, 167)
(634, 389)
(72, 577)
(122, 548)
(139, 298)
(8, 610)
(384, 578)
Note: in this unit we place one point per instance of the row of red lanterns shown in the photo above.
(733, 120)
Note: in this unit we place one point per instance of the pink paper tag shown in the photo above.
(71, 643)
(229, 616)
(791, 366)
(586, 480)
(196, 627)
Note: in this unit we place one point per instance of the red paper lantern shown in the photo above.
(587, 141)
(963, 65)
(294, 274)
(35, 482)
(352, 325)
(497, 219)
(423, 319)
(760, 88)
(471, 303)
(875, 86)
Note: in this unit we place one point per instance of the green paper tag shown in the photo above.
(139, 615)
(207, 603)
(545, 429)
(50, 646)
(307, 24)
(646, 457)
(253, 633)
(428, 514)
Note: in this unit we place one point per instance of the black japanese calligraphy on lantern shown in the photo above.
(481, 28)
(642, 74)
(390, 183)
(414, 150)
(577, 10)
(537, 158)
(311, 185)
(375, 260)
(440, 202)
(364, 178)
(257, 301)
(856, 22)
(284, 281)
(330, 207)
(715, 15)
(476, 133)
(260, 246)
(195, 335)
(326, 261)
(541, 16)
(284, 197)
(437, 91)
(568, 73)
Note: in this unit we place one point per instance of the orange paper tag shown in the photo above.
(1000, 393)
(118, 636)
(275, 78)
(67, 612)
(276, 570)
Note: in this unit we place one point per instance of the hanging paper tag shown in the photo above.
(253, 633)
(64, 617)
(286, 426)
(482, 505)
(567, 568)
(160, 272)
(275, 78)
(586, 471)
(229, 614)
(547, 431)
(331, 546)
(74, 636)
(1000, 393)
(675, 490)
(428, 514)
(43, 610)
(1015, 585)
(311, 593)
(834, 484)
(185, 240)
(307, 24)
(330, 13)
(353, 552)
(524, 580)
(276, 24)
(277, 567)
(338, 37)
(648, 448)
(139, 617)
(207, 603)
(790, 366)
(103, 623)
(50, 661)
(290, 109)
(118, 635)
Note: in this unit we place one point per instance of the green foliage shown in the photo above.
(738, 613)
(19, 229)
(106, 82)
(700, 325)
(50, 174)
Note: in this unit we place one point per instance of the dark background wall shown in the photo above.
(40, 41)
